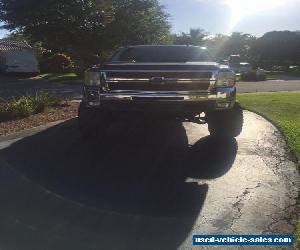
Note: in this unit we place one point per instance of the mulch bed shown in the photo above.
(50, 115)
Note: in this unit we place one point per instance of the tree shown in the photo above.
(215, 45)
(278, 48)
(137, 22)
(237, 43)
(61, 25)
(194, 37)
(85, 27)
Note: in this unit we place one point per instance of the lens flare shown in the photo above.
(242, 8)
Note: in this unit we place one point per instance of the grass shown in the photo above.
(60, 77)
(26, 106)
(284, 110)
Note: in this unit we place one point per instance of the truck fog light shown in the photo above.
(223, 105)
(92, 98)
(94, 104)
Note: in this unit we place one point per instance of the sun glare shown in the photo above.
(243, 8)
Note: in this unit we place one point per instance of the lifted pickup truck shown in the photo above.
(174, 81)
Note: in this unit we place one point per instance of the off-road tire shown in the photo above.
(92, 122)
(226, 123)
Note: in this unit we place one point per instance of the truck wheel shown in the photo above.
(226, 123)
(92, 122)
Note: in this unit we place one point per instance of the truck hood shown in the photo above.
(188, 66)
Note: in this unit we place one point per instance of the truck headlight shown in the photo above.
(225, 79)
(92, 78)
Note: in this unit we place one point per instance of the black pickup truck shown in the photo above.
(170, 80)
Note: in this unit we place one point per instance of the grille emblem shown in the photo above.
(157, 80)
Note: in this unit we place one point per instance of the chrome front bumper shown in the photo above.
(223, 97)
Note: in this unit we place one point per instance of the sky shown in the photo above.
(2, 32)
(226, 16)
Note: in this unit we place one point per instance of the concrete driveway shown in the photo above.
(148, 185)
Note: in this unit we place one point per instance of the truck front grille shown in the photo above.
(164, 86)
(185, 80)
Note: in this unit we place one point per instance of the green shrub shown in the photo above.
(57, 63)
(5, 113)
(15, 109)
(41, 101)
(21, 108)
(261, 77)
(26, 106)
(253, 76)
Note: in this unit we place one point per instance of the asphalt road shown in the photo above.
(147, 185)
(13, 87)
(268, 86)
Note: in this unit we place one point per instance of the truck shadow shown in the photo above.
(139, 169)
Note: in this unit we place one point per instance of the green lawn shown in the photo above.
(59, 77)
(284, 110)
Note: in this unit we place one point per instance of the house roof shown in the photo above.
(13, 45)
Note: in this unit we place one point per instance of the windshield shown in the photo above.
(162, 54)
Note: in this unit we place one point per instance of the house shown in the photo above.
(17, 57)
